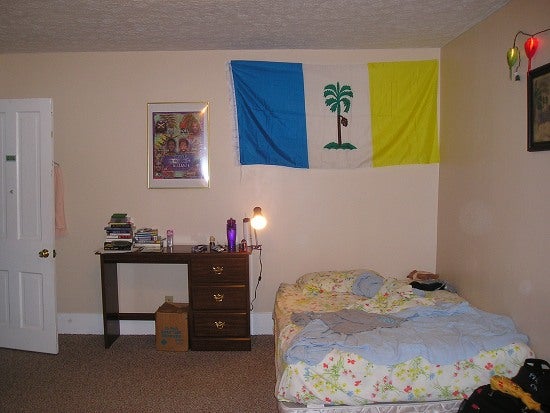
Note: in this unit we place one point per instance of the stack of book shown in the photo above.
(120, 233)
(148, 239)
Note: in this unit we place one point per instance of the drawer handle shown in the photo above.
(218, 270)
(219, 324)
(218, 297)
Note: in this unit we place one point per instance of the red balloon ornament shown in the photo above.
(531, 45)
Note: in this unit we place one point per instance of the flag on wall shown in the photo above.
(318, 116)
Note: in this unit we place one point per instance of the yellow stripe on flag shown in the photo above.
(403, 98)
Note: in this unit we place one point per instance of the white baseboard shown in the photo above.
(261, 323)
(77, 323)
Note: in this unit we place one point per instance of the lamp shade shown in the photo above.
(512, 58)
(531, 45)
(258, 221)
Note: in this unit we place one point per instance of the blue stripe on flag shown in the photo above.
(271, 115)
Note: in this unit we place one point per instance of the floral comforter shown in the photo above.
(345, 378)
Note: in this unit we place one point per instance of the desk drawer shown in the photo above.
(218, 296)
(211, 324)
(219, 269)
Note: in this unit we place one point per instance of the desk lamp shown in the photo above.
(258, 221)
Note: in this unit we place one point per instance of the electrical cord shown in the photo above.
(259, 248)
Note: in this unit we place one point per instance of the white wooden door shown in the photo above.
(28, 308)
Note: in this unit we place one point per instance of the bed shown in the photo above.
(354, 341)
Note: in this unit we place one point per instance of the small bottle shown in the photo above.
(212, 243)
(243, 246)
(231, 235)
(170, 238)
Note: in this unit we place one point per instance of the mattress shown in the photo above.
(446, 406)
(344, 378)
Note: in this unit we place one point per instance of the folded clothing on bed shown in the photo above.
(367, 284)
(370, 283)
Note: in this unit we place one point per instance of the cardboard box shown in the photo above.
(171, 327)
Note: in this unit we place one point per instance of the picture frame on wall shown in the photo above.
(177, 142)
(538, 109)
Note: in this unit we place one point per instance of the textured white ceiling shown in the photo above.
(131, 25)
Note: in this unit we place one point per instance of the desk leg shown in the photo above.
(109, 291)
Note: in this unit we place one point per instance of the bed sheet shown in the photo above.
(344, 378)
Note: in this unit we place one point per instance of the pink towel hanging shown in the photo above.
(60, 223)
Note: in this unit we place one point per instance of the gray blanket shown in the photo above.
(347, 321)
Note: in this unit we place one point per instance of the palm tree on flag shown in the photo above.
(335, 97)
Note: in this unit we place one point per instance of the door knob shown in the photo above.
(44, 253)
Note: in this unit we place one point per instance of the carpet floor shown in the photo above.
(132, 376)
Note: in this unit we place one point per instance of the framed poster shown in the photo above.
(538, 109)
(177, 142)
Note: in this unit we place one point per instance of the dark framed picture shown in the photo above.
(177, 142)
(538, 109)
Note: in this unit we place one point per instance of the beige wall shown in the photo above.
(494, 196)
(382, 218)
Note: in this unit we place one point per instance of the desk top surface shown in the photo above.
(175, 253)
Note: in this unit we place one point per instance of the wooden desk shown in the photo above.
(219, 295)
